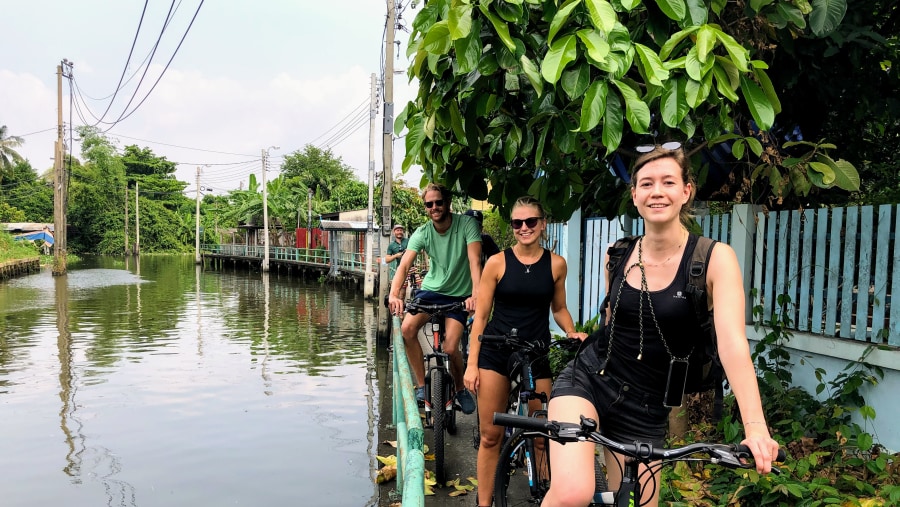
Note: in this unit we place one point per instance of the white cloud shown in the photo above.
(246, 78)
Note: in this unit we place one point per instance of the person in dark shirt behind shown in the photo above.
(488, 245)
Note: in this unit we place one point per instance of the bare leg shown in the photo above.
(649, 487)
(572, 464)
(451, 347)
(492, 395)
(410, 331)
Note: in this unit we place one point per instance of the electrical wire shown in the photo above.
(128, 60)
(125, 115)
(340, 121)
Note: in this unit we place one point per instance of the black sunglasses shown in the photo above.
(668, 146)
(431, 204)
(530, 222)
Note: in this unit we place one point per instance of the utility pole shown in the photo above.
(137, 220)
(369, 282)
(127, 253)
(197, 226)
(387, 157)
(61, 178)
(265, 161)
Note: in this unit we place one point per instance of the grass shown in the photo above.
(11, 249)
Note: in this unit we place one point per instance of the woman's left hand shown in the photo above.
(764, 449)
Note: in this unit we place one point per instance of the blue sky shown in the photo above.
(249, 74)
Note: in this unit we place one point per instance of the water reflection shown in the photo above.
(173, 386)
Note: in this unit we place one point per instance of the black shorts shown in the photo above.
(499, 360)
(627, 413)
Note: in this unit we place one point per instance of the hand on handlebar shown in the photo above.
(470, 304)
(396, 305)
(764, 449)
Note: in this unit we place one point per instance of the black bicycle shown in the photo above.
(637, 453)
(440, 413)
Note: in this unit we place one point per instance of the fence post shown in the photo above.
(410, 434)
(743, 233)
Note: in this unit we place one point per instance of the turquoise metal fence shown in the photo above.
(410, 434)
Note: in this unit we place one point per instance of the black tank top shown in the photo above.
(677, 321)
(522, 298)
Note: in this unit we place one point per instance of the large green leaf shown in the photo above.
(576, 80)
(456, 123)
(845, 174)
(673, 103)
(706, 40)
(738, 53)
(594, 105)
(500, 27)
(533, 74)
(758, 103)
(826, 172)
(613, 123)
(673, 9)
(766, 85)
(826, 16)
(560, 18)
(511, 143)
(437, 40)
(696, 13)
(561, 53)
(595, 43)
(636, 111)
(675, 40)
(469, 49)
(603, 16)
(459, 20)
(651, 65)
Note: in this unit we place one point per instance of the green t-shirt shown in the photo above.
(392, 249)
(448, 258)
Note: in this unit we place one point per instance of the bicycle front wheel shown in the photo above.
(523, 472)
(438, 411)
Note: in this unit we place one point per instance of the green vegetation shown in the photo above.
(103, 183)
(541, 96)
(832, 458)
(11, 249)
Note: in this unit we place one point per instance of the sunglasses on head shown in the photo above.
(530, 222)
(431, 204)
(668, 146)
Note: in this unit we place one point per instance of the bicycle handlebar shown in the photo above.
(415, 306)
(514, 341)
(727, 455)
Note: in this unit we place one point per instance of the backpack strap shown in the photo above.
(696, 287)
(617, 252)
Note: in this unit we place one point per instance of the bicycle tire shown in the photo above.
(438, 404)
(449, 403)
(512, 485)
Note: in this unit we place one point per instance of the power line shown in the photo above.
(128, 60)
(128, 114)
(352, 112)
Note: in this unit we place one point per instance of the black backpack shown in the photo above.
(705, 372)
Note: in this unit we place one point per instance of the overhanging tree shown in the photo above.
(541, 97)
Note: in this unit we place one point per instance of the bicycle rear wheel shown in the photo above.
(438, 405)
(523, 476)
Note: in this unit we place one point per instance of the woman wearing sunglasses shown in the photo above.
(519, 284)
(620, 379)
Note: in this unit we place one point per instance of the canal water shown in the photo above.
(152, 382)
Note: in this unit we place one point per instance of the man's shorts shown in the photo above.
(428, 297)
(627, 412)
(499, 360)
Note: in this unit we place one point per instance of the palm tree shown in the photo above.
(8, 154)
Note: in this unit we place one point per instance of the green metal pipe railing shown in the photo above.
(410, 434)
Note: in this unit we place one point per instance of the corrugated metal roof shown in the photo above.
(344, 225)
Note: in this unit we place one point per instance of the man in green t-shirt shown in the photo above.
(453, 245)
(395, 250)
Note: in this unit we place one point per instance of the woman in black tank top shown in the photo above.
(649, 327)
(518, 285)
